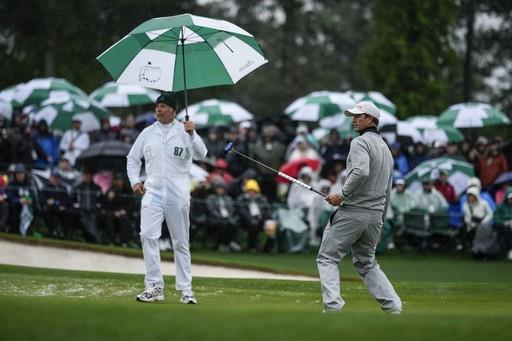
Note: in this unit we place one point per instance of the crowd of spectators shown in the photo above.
(43, 189)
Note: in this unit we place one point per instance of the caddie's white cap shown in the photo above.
(364, 107)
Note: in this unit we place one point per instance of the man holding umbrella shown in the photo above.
(168, 147)
(356, 226)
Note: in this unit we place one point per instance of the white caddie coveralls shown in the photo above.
(168, 159)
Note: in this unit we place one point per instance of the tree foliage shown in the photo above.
(409, 57)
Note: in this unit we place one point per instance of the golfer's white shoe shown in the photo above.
(151, 294)
(188, 298)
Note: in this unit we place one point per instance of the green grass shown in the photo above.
(448, 299)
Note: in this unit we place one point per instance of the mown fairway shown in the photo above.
(445, 299)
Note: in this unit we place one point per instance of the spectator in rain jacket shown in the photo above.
(22, 196)
(86, 202)
(55, 202)
(400, 161)
(503, 220)
(253, 209)
(74, 141)
(116, 207)
(222, 218)
(48, 146)
(270, 152)
(429, 199)
(401, 202)
(492, 164)
(445, 188)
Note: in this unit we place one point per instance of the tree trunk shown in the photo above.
(470, 41)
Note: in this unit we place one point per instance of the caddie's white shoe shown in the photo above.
(151, 294)
(188, 298)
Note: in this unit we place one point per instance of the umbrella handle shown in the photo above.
(184, 77)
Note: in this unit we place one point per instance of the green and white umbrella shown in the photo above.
(214, 112)
(459, 172)
(381, 101)
(112, 95)
(58, 114)
(432, 132)
(6, 110)
(39, 90)
(321, 133)
(401, 131)
(472, 115)
(319, 105)
(341, 119)
(183, 52)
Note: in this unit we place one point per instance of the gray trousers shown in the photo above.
(358, 231)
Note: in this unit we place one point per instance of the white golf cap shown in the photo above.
(364, 107)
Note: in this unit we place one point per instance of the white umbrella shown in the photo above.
(123, 95)
(402, 131)
(6, 110)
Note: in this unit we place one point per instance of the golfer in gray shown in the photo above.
(356, 225)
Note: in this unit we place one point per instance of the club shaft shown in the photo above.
(284, 175)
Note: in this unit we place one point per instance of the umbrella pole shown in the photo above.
(184, 77)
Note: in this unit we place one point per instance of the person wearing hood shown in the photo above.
(47, 146)
(302, 150)
(298, 196)
(475, 182)
(222, 217)
(254, 210)
(319, 212)
(401, 202)
(74, 141)
(478, 220)
(503, 220)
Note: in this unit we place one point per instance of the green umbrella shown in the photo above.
(214, 112)
(472, 115)
(381, 101)
(59, 114)
(123, 95)
(433, 132)
(319, 105)
(459, 172)
(39, 90)
(183, 52)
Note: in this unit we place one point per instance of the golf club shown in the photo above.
(229, 148)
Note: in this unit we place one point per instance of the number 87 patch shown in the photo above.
(178, 152)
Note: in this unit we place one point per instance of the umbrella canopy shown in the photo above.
(472, 115)
(6, 110)
(341, 120)
(321, 133)
(459, 172)
(161, 51)
(292, 168)
(503, 178)
(381, 101)
(432, 132)
(59, 113)
(319, 105)
(106, 155)
(403, 132)
(39, 90)
(214, 112)
(123, 95)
